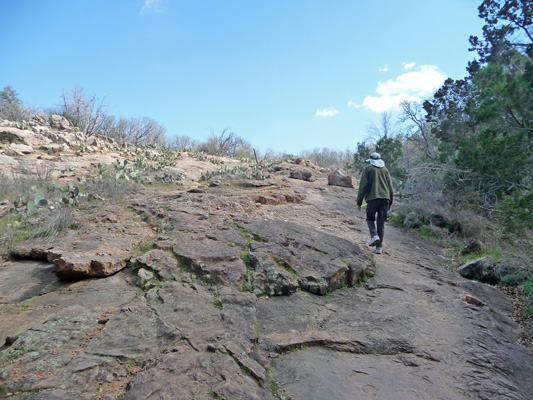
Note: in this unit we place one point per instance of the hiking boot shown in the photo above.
(375, 241)
(378, 250)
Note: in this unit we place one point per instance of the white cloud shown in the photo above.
(384, 69)
(354, 105)
(412, 85)
(408, 66)
(151, 6)
(326, 112)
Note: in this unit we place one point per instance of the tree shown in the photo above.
(11, 107)
(418, 128)
(499, 156)
(447, 116)
(226, 143)
(508, 28)
(88, 113)
(387, 141)
(183, 143)
(328, 158)
(387, 127)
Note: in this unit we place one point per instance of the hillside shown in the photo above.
(137, 273)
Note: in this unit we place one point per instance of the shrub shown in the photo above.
(517, 212)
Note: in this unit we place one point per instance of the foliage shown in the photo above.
(507, 28)
(517, 210)
(11, 107)
(33, 215)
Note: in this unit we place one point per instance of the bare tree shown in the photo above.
(329, 158)
(134, 130)
(226, 143)
(420, 131)
(387, 127)
(86, 112)
(183, 142)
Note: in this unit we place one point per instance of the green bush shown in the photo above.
(517, 212)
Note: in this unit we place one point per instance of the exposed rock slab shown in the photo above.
(188, 374)
(101, 252)
(96, 254)
(214, 260)
(321, 262)
(307, 374)
(47, 357)
(19, 149)
(135, 332)
(10, 135)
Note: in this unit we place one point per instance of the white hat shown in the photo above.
(375, 160)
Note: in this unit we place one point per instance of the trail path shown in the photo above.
(412, 331)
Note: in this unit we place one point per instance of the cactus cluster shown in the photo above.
(72, 192)
(252, 171)
(29, 205)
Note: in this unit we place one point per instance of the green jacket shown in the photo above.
(375, 183)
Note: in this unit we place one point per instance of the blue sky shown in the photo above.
(286, 75)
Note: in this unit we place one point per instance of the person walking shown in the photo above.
(375, 186)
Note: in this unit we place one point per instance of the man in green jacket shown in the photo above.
(375, 186)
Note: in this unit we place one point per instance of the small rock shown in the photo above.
(474, 301)
(145, 279)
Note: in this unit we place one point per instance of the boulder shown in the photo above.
(18, 149)
(59, 122)
(40, 119)
(337, 178)
(481, 269)
(53, 147)
(269, 200)
(10, 135)
(302, 174)
(295, 198)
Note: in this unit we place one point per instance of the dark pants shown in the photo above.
(379, 207)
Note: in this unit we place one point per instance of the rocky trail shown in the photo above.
(256, 289)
